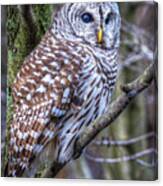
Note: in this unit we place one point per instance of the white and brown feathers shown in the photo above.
(63, 85)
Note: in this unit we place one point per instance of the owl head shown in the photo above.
(97, 24)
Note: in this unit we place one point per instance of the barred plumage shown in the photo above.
(64, 84)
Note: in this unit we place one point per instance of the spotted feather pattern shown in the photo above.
(43, 90)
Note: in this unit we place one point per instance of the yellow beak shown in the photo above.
(100, 35)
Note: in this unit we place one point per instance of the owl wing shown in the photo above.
(42, 93)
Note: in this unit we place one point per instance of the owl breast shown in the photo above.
(94, 90)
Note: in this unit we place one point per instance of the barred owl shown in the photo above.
(65, 83)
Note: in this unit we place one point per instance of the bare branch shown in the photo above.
(106, 142)
(123, 158)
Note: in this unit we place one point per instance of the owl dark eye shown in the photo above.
(108, 18)
(87, 18)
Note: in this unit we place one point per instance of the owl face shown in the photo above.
(95, 23)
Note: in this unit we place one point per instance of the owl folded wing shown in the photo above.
(42, 94)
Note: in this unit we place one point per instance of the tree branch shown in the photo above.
(130, 91)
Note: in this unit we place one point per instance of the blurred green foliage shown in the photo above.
(42, 16)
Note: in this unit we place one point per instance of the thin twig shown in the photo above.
(106, 142)
(136, 32)
(146, 164)
(123, 158)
